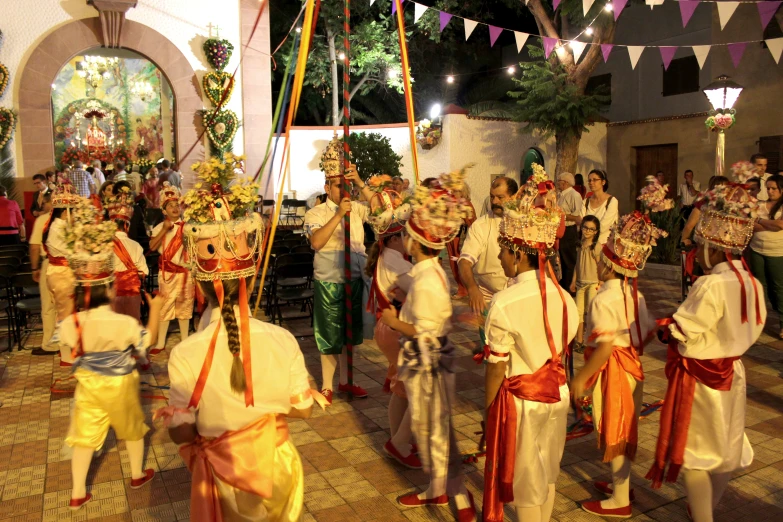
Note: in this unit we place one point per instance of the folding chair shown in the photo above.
(24, 306)
(291, 295)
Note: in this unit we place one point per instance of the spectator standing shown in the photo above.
(81, 180)
(600, 203)
(760, 163)
(766, 246)
(11, 222)
(40, 264)
(688, 192)
(98, 178)
(39, 181)
(570, 202)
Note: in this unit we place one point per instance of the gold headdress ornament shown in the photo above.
(388, 209)
(653, 197)
(728, 214)
(631, 243)
(64, 197)
(90, 242)
(169, 193)
(223, 235)
(437, 213)
(120, 206)
(332, 159)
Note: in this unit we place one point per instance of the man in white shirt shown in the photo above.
(760, 163)
(119, 172)
(570, 202)
(97, 175)
(40, 264)
(688, 192)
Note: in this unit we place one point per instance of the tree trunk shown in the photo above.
(567, 152)
(330, 36)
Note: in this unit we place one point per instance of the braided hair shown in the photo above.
(230, 299)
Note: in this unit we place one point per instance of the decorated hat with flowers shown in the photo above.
(388, 209)
(168, 192)
(631, 243)
(743, 171)
(120, 206)
(728, 214)
(532, 219)
(90, 242)
(437, 213)
(653, 196)
(64, 196)
(332, 158)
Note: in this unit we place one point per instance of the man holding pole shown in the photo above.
(324, 226)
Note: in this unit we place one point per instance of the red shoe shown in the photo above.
(411, 461)
(594, 507)
(606, 489)
(414, 449)
(156, 351)
(77, 503)
(327, 395)
(138, 483)
(468, 514)
(357, 391)
(412, 500)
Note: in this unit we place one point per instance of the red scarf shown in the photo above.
(127, 282)
(165, 262)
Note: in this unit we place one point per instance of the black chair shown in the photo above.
(290, 209)
(302, 249)
(294, 294)
(23, 306)
(6, 306)
(279, 250)
(290, 243)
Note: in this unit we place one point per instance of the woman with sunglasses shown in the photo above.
(600, 203)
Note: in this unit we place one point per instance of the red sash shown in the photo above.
(541, 386)
(165, 262)
(127, 282)
(57, 261)
(683, 373)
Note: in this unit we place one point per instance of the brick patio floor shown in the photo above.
(347, 476)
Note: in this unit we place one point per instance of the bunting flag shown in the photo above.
(418, 10)
(372, 2)
(469, 26)
(606, 49)
(766, 11)
(394, 5)
(578, 48)
(725, 10)
(555, 3)
(521, 38)
(775, 46)
(736, 50)
(549, 44)
(701, 52)
(687, 7)
(445, 18)
(667, 53)
(634, 52)
(586, 5)
(494, 32)
(618, 5)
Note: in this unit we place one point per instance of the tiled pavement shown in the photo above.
(347, 477)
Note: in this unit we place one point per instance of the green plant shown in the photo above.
(668, 250)
(372, 154)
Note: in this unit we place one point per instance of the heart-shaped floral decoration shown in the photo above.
(3, 79)
(221, 127)
(218, 53)
(7, 125)
(217, 83)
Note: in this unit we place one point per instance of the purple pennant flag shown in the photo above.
(549, 44)
(619, 5)
(736, 50)
(494, 32)
(606, 49)
(555, 3)
(445, 18)
(687, 7)
(766, 11)
(667, 53)
(394, 5)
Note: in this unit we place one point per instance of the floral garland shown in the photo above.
(218, 53)
(743, 171)
(87, 235)
(221, 127)
(653, 197)
(220, 178)
(731, 199)
(7, 125)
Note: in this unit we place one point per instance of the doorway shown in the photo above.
(531, 156)
(652, 159)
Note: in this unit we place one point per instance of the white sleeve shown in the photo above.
(699, 313)
(429, 310)
(475, 244)
(141, 261)
(603, 324)
(362, 210)
(404, 282)
(609, 219)
(182, 382)
(498, 334)
(299, 380)
(314, 219)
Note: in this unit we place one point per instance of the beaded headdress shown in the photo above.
(120, 206)
(332, 158)
(90, 242)
(388, 209)
(728, 214)
(64, 196)
(168, 192)
(653, 197)
(631, 243)
(437, 213)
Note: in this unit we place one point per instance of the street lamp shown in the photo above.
(722, 95)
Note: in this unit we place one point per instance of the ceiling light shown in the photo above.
(450, 79)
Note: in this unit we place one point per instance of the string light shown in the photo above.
(512, 70)
(608, 7)
(341, 56)
(392, 73)
(450, 79)
(589, 31)
(298, 29)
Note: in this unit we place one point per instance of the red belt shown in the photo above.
(58, 261)
(127, 283)
(165, 265)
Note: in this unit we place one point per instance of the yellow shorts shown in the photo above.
(103, 402)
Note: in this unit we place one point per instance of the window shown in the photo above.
(772, 148)
(682, 76)
(600, 84)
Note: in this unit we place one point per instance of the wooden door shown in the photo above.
(650, 160)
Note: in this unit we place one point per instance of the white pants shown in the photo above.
(48, 311)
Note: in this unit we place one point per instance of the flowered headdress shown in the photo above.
(437, 213)
(90, 244)
(120, 206)
(332, 159)
(64, 196)
(388, 209)
(743, 171)
(631, 243)
(653, 196)
(223, 235)
(168, 192)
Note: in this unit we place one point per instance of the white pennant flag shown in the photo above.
(634, 52)
(469, 26)
(586, 5)
(521, 38)
(653, 3)
(775, 46)
(578, 48)
(701, 52)
(725, 10)
(372, 2)
(418, 10)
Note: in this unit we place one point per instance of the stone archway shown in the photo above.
(65, 42)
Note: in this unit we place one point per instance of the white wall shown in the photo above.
(494, 147)
(25, 23)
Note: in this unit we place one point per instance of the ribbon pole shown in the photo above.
(346, 193)
(406, 80)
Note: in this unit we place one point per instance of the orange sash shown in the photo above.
(244, 459)
(165, 263)
(57, 261)
(127, 282)
(618, 427)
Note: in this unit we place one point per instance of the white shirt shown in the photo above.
(55, 241)
(135, 251)
(610, 319)
(607, 214)
(570, 202)
(97, 177)
(279, 375)
(481, 248)
(767, 242)
(329, 261)
(515, 323)
(104, 331)
(685, 195)
(177, 259)
(763, 196)
(36, 236)
(428, 305)
(393, 272)
(709, 319)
